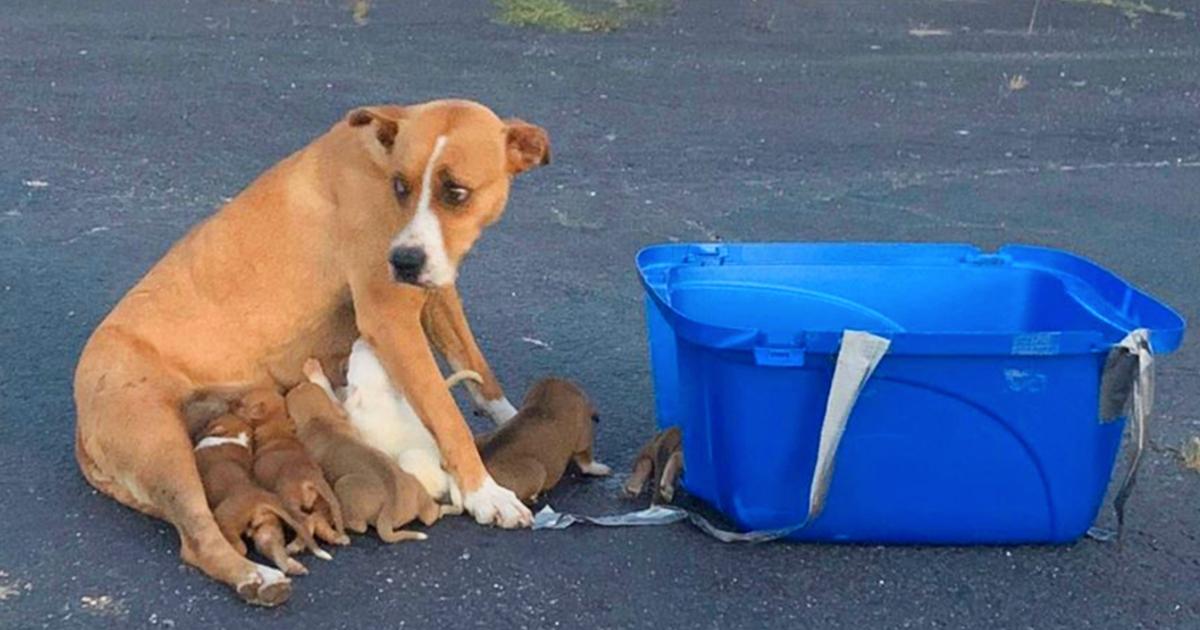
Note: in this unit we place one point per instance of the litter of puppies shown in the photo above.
(284, 472)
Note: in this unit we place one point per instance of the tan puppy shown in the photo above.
(282, 466)
(530, 453)
(661, 459)
(224, 458)
(373, 217)
(370, 486)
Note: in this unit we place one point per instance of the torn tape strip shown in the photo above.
(548, 518)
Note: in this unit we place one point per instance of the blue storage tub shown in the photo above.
(980, 425)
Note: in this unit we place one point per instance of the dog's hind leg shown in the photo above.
(268, 541)
(525, 477)
(133, 445)
(589, 466)
(643, 467)
(163, 475)
(359, 496)
(670, 472)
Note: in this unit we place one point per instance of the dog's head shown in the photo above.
(446, 167)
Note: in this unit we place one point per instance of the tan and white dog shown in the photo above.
(360, 233)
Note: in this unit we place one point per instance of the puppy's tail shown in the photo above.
(387, 529)
(302, 532)
(463, 375)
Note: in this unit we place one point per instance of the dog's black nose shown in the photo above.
(407, 263)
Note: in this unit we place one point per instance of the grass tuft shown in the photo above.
(1190, 453)
(564, 17)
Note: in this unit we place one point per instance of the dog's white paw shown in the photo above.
(492, 504)
(595, 469)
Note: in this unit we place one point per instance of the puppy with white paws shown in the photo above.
(553, 428)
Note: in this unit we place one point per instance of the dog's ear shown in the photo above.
(382, 119)
(527, 145)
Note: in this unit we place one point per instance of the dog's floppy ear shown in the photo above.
(384, 123)
(526, 145)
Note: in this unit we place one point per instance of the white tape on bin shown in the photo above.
(858, 356)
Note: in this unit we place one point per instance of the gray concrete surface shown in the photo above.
(123, 123)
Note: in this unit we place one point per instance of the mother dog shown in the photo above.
(359, 233)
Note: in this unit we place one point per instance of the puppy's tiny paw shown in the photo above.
(596, 469)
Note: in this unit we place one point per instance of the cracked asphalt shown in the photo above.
(123, 123)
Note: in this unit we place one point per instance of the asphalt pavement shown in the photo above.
(123, 123)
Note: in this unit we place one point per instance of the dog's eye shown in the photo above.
(454, 194)
(401, 188)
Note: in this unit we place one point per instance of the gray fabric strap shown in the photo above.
(1127, 389)
(860, 353)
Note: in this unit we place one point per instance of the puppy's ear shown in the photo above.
(383, 120)
(527, 145)
(254, 410)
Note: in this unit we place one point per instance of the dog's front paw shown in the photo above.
(492, 504)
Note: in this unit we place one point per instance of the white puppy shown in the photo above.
(386, 421)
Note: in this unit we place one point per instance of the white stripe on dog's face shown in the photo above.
(425, 232)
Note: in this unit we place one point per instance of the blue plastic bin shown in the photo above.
(980, 424)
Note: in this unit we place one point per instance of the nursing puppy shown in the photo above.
(224, 458)
(370, 486)
(282, 466)
(385, 420)
(530, 453)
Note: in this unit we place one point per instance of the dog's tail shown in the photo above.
(310, 543)
(463, 375)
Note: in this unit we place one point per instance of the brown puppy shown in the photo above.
(662, 459)
(282, 466)
(370, 486)
(224, 457)
(376, 214)
(530, 453)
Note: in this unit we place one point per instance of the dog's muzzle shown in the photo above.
(407, 264)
